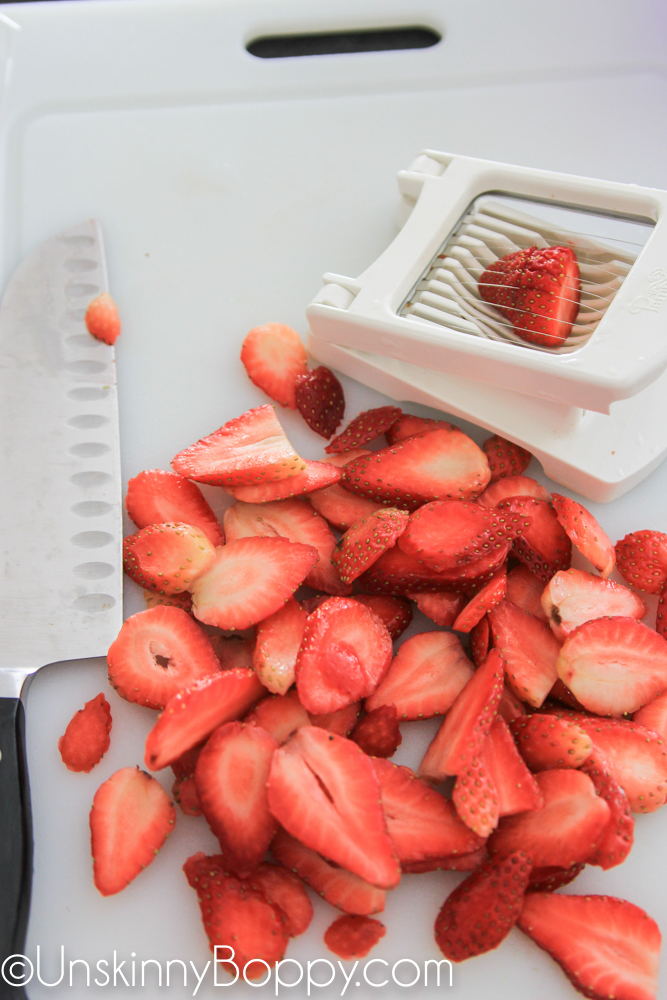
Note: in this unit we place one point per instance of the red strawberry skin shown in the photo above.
(320, 400)
(274, 357)
(102, 319)
(86, 738)
(167, 558)
(364, 542)
(353, 937)
(407, 425)
(158, 497)
(364, 428)
(378, 733)
(505, 458)
(285, 890)
(395, 612)
(641, 558)
(585, 533)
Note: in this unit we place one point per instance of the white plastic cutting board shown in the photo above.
(225, 186)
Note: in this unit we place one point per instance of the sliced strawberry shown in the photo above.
(565, 830)
(364, 428)
(247, 450)
(345, 653)
(233, 651)
(483, 601)
(341, 722)
(102, 319)
(573, 597)
(449, 534)
(561, 693)
(530, 651)
(516, 787)
(505, 458)
(192, 715)
(342, 459)
(525, 590)
(616, 839)
(480, 641)
(479, 914)
(395, 612)
(442, 608)
(442, 464)
(614, 665)
(475, 797)
(130, 819)
(425, 677)
(250, 579)
(336, 885)
(607, 947)
(279, 639)
(323, 789)
(509, 706)
(365, 541)
(585, 533)
(512, 486)
(158, 497)
(86, 739)
(546, 742)
(280, 715)
(552, 877)
(543, 546)
(159, 652)
(182, 600)
(378, 733)
(340, 508)
(661, 617)
(448, 863)
(467, 723)
(285, 890)
(184, 766)
(167, 558)
(274, 357)
(320, 400)
(654, 716)
(313, 477)
(237, 917)
(641, 559)
(184, 791)
(407, 425)
(395, 572)
(352, 936)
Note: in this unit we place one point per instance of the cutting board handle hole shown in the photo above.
(332, 42)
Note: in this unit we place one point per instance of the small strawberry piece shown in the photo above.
(345, 653)
(543, 546)
(159, 497)
(512, 486)
(617, 838)
(102, 319)
(614, 665)
(552, 877)
(475, 797)
(449, 863)
(364, 542)
(279, 715)
(341, 722)
(159, 652)
(395, 572)
(323, 789)
(237, 917)
(279, 639)
(314, 477)
(467, 723)
(443, 608)
(530, 650)
(167, 558)
(247, 450)
(480, 641)
(425, 677)
(320, 400)
(86, 739)
(607, 947)
(274, 357)
(505, 458)
(191, 715)
(184, 791)
(641, 559)
(250, 579)
(573, 597)
(479, 914)
(483, 601)
(442, 464)
(395, 612)
(546, 742)
(407, 425)
(130, 819)
(336, 885)
(353, 936)
(525, 590)
(378, 733)
(231, 775)
(285, 890)
(449, 534)
(585, 533)
(565, 830)
(364, 428)
(182, 600)
(516, 787)
(654, 716)
(233, 651)
(340, 508)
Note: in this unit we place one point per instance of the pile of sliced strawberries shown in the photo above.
(278, 712)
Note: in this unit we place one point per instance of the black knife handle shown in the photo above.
(15, 847)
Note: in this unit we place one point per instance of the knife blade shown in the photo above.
(60, 512)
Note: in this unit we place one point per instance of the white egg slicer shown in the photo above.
(415, 327)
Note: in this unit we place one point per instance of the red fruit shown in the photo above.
(274, 357)
(365, 541)
(661, 618)
(159, 652)
(352, 936)
(314, 477)
(320, 400)
(324, 791)
(475, 797)
(552, 877)
(530, 651)
(607, 947)
(280, 715)
(449, 863)
(340, 460)
(102, 319)
(585, 533)
(247, 450)
(158, 497)
(340, 508)
(483, 601)
(480, 641)
(182, 600)
(641, 559)
(341, 722)
(395, 572)
(279, 639)
(86, 739)
(525, 590)
(407, 425)
(512, 486)
(543, 546)
(442, 464)
(184, 791)
(615, 842)
(345, 653)
(546, 742)
(394, 612)
(130, 819)
(563, 694)
(364, 428)
(337, 886)
(479, 914)
(378, 733)
(425, 677)
(516, 788)
(448, 535)
(573, 597)
(509, 706)
(233, 651)
(654, 716)
(167, 558)
(505, 458)
(285, 890)
(184, 766)
(250, 580)
(191, 715)
(442, 608)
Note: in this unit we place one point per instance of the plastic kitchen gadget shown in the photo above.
(416, 325)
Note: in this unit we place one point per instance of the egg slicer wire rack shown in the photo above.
(414, 325)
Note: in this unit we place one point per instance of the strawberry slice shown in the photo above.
(185, 795)
(340, 508)
(378, 733)
(483, 601)
(607, 947)
(506, 459)
(441, 464)
(614, 665)
(480, 641)
(314, 476)
(565, 830)
(451, 534)
(285, 890)
(573, 597)
(86, 739)
(167, 558)
(407, 425)
(341, 722)
(585, 533)
(323, 789)
(102, 319)
(641, 559)
(247, 450)
(353, 936)
(274, 357)
(182, 600)
(479, 914)
(345, 653)
(231, 775)
(516, 787)
(337, 886)
(364, 428)
(250, 579)
(279, 715)
(365, 541)
(191, 715)
(279, 639)
(615, 842)
(320, 400)
(158, 652)
(475, 797)
(552, 877)
(543, 546)
(546, 742)
(159, 497)
(654, 716)
(512, 486)
(530, 650)
(184, 766)
(525, 590)
(661, 617)
(509, 706)
(341, 459)
(448, 863)
(395, 612)
(233, 651)
(130, 819)
(425, 677)
(443, 608)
